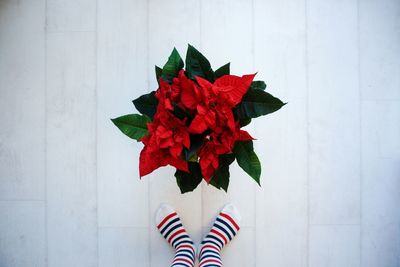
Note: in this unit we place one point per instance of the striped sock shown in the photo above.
(223, 231)
(170, 226)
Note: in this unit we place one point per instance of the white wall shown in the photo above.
(69, 188)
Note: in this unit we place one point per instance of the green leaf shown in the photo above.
(187, 182)
(220, 178)
(244, 121)
(172, 67)
(196, 141)
(181, 114)
(256, 103)
(247, 159)
(198, 65)
(224, 70)
(146, 104)
(258, 85)
(158, 73)
(133, 125)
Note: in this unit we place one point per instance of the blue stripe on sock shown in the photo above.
(227, 225)
(212, 242)
(209, 256)
(186, 250)
(216, 239)
(184, 256)
(179, 238)
(172, 229)
(168, 225)
(208, 250)
(223, 230)
(181, 264)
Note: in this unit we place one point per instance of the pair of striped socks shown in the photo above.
(223, 231)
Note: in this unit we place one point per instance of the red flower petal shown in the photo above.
(201, 109)
(209, 118)
(186, 140)
(178, 163)
(168, 104)
(198, 125)
(230, 120)
(189, 100)
(203, 82)
(165, 143)
(234, 86)
(148, 162)
(189, 93)
(245, 136)
(175, 150)
(207, 170)
(163, 132)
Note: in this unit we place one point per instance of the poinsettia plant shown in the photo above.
(194, 121)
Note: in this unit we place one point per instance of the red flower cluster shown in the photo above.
(209, 105)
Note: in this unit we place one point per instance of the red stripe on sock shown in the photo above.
(183, 259)
(166, 219)
(175, 234)
(208, 246)
(230, 219)
(208, 261)
(220, 235)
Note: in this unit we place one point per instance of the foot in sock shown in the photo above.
(170, 226)
(223, 231)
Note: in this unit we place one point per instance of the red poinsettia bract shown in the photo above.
(164, 144)
(211, 106)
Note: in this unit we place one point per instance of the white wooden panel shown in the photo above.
(161, 253)
(124, 246)
(22, 97)
(381, 183)
(241, 193)
(240, 251)
(381, 158)
(381, 129)
(380, 83)
(226, 38)
(381, 192)
(121, 77)
(379, 49)
(71, 15)
(334, 245)
(22, 233)
(283, 245)
(281, 214)
(334, 119)
(381, 245)
(71, 149)
(226, 34)
(171, 23)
